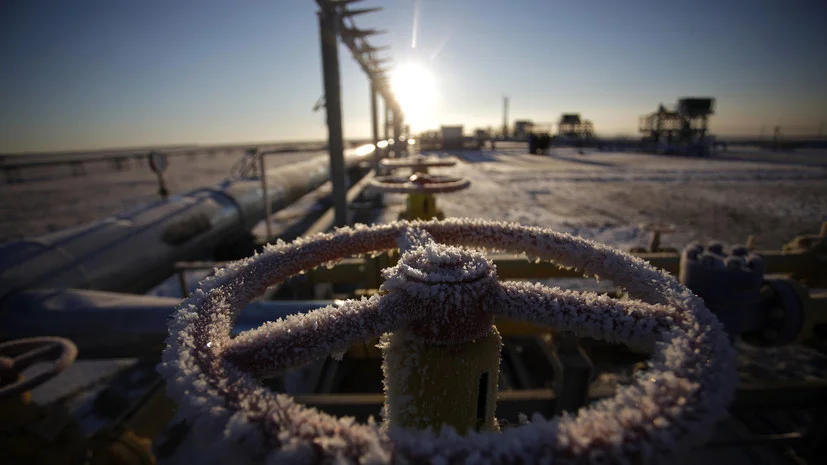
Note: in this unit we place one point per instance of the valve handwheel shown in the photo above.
(656, 230)
(420, 183)
(418, 162)
(445, 292)
(19, 354)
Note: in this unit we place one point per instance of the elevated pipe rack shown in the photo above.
(336, 21)
(136, 250)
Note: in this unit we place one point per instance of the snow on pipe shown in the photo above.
(112, 325)
(670, 407)
(135, 250)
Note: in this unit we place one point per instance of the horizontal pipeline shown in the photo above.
(135, 250)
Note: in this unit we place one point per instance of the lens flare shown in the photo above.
(415, 88)
(363, 150)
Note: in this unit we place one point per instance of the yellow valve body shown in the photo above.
(430, 385)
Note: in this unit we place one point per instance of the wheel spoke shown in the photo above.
(299, 339)
(585, 313)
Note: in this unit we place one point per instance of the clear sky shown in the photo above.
(107, 73)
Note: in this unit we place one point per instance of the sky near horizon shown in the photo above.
(95, 73)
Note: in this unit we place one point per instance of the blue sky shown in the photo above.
(92, 73)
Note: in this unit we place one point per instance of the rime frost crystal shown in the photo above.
(450, 282)
(670, 407)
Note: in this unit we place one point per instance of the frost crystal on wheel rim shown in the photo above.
(670, 407)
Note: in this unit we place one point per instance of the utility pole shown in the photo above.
(387, 150)
(374, 117)
(387, 121)
(397, 132)
(328, 27)
(335, 23)
(505, 117)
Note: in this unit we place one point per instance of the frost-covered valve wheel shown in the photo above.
(418, 163)
(443, 292)
(420, 187)
(19, 354)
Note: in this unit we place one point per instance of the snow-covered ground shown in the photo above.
(600, 195)
(51, 199)
(608, 196)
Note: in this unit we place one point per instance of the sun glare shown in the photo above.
(415, 88)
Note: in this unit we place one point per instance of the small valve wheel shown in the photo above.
(158, 162)
(418, 163)
(656, 230)
(419, 183)
(420, 187)
(17, 355)
(443, 293)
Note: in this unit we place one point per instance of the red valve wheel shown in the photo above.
(17, 355)
(670, 407)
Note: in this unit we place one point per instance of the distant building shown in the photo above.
(522, 129)
(572, 127)
(452, 137)
(429, 140)
(679, 130)
(481, 136)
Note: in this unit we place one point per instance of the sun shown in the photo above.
(415, 89)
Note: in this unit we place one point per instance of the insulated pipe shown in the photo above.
(135, 250)
(112, 325)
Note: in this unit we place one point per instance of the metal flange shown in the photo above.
(783, 314)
